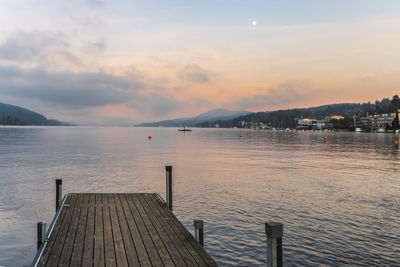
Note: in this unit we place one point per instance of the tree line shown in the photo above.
(8, 120)
(288, 118)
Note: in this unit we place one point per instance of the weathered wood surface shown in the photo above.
(120, 230)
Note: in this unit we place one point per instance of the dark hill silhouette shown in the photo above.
(15, 115)
(209, 116)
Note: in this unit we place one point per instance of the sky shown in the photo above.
(124, 62)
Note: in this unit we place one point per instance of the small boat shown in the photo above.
(185, 129)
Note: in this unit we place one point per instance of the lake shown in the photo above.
(339, 202)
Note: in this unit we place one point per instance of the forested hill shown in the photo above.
(210, 116)
(15, 115)
(287, 118)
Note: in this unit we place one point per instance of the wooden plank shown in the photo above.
(131, 253)
(120, 230)
(77, 253)
(158, 243)
(148, 242)
(108, 238)
(87, 258)
(135, 234)
(53, 237)
(59, 242)
(120, 255)
(98, 257)
(169, 220)
(183, 249)
(183, 232)
(167, 236)
(69, 242)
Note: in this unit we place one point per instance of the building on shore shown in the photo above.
(381, 120)
(328, 122)
(306, 124)
(375, 122)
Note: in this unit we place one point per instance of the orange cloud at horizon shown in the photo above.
(117, 110)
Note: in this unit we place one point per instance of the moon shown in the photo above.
(254, 23)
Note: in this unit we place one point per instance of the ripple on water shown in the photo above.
(339, 202)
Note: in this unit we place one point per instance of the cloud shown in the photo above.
(94, 47)
(55, 50)
(37, 46)
(82, 90)
(193, 73)
(284, 93)
(71, 89)
(156, 104)
(95, 3)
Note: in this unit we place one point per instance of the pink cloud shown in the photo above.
(117, 110)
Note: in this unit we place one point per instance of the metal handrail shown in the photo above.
(160, 197)
(48, 233)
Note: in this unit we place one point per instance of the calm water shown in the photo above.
(339, 202)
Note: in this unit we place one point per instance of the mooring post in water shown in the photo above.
(274, 232)
(58, 193)
(41, 233)
(168, 170)
(199, 231)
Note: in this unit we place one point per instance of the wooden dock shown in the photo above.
(119, 230)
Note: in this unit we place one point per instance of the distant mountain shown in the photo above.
(209, 117)
(217, 114)
(15, 115)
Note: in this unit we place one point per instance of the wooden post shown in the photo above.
(199, 231)
(41, 233)
(58, 193)
(274, 232)
(168, 170)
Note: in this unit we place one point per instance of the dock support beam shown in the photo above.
(199, 231)
(274, 232)
(58, 193)
(41, 233)
(168, 170)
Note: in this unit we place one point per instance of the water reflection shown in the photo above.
(339, 201)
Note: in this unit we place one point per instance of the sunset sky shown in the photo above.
(124, 62)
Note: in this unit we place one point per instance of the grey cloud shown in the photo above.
(39, 46)
(157, 84)
(133, 74)
(81, 90)
(195, 74)
(66, 88)
(94, 47)
(46, 48)
(283, 94)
